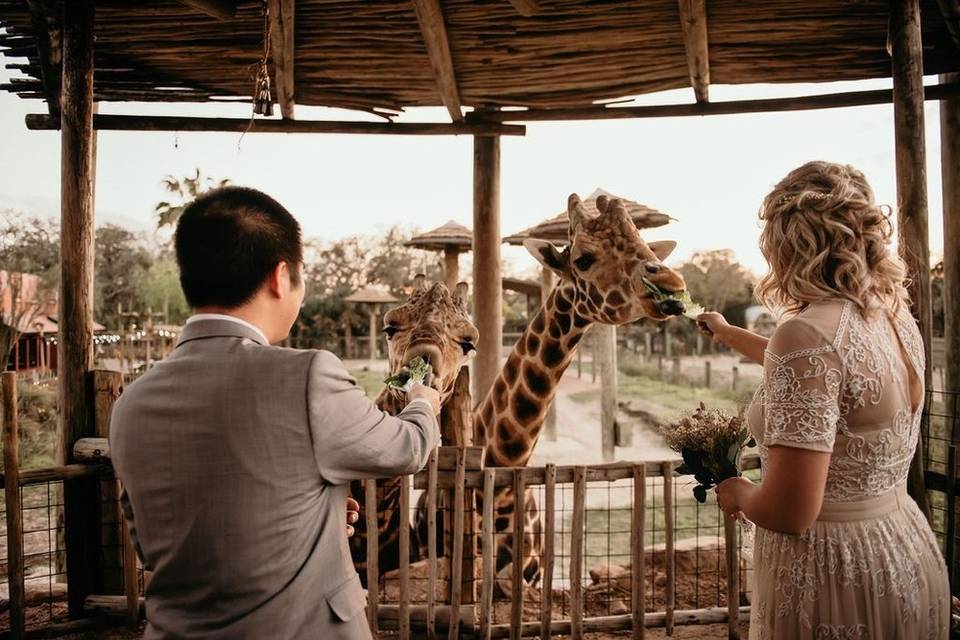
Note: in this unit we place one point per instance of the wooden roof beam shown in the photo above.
(219, 9)
(693, 17)
(43, 18)
(951, 15)
(526, 8)
(282, 48)
(430, 17)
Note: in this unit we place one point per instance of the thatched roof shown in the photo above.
(386, 55)
(371, 294)
(450, 234)
(555, 229)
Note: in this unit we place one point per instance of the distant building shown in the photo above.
(760, 320)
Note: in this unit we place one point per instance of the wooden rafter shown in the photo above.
(47, 33)
(282, 29)
(526, 8)
(693, 17)
(220, 9)
(951, 15)
(430, 17)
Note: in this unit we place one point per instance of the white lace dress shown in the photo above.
(869, 567)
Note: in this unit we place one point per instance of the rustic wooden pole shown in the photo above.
(950, 170)
(404, 568)
(372, 334)
(912, 229)
(735, 378)
(373, 553)
(637, 575)
(432, 473)
(668, 543)
(732, 557)
(606, 336)
(11, 477)
(451, 266)
(107, 386)
(516, 584)
(577, 543)
(75, 340)
(487, 284)
(550, 421)
(456, 561)
(706, 374)
(489, 562)
(950, 542)
(131, 586)
(549, 528)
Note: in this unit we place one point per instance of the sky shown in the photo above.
(710, 173)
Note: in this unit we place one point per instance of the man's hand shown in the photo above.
(353, 514)
(429, 394)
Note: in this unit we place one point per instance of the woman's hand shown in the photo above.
(353, 514)
(713, 325)
(732, 495)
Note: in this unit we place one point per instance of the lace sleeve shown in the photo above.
(802, 379)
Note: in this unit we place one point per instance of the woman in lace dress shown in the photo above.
(841, 551)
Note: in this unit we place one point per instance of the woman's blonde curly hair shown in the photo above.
(825, 238)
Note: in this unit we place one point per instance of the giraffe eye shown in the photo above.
(467, 346)
(585, 261)
(390, 331)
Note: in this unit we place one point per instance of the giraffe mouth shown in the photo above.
(432, 355)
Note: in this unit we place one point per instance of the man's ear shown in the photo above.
(662, 248)
(279, 279)
(547, 255)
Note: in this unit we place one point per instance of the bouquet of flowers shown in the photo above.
(416, 371)
(711, 444)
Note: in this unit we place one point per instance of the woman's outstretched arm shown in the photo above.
(750, 344)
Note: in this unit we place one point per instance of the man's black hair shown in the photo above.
(229, 240)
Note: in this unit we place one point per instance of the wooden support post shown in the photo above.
(75, 339)
(549, 528)
(706, 374)
(578, 535)
(732, 557)
(489, 561)
(550, 421)
(11, 477)
(668, 343)
(676, 370)
(451, 266)
(487, 283)
(693, 17)
(606, 336)
(404, 550)
(432, 546)
(637, 546)
(107, 386)
(373, 553)
(517, 591)
(648, 346)
(456, 561)
(912, 229)
(735, 378)
(372, 334)
(668, 543)
(282, 48)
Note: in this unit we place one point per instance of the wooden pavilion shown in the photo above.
(511, 61)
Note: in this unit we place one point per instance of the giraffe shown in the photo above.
(434, 324)
(601, 281)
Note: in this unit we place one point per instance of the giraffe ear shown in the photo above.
(461, 295)
(662, 248)
(547, 255)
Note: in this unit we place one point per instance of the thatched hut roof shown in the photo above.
(555, 229)
(451, 234)
(384, 56)
(371, 294)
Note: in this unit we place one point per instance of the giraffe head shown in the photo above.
(432, 324)
(607, 260)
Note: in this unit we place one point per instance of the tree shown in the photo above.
(161, 289)
(394, 265)
(185, 190)
(717, 281)
(121, 264)
(29, 260)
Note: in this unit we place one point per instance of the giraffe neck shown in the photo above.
(510, 418)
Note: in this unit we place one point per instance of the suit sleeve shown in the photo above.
(352, 438)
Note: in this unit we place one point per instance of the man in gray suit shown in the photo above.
(235, 455)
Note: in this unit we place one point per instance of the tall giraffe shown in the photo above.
(601, 281)
(433, 324)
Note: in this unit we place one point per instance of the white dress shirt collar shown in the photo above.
(197, 317)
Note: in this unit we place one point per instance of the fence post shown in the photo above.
(676, 369)
(107, 387)
(706, 373)
(404, 569)
(950, 537)
(489, 562)
(11, 477)
(648, 346)
(456, 561)
(637, 574)
(373, 553)
(432, 473)
(549, 501)
(733, 576)
(517, 585)
(578, 534)
(735, 379)
(667, 468)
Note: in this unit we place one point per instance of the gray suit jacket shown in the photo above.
(234, 456)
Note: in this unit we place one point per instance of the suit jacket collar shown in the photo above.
(201, 329)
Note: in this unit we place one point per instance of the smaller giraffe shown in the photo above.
(432, 324)
(602, 274)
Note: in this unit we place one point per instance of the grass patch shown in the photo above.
(371, 381)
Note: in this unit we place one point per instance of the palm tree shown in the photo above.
(186, 190)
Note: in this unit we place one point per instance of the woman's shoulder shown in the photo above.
(816, 327)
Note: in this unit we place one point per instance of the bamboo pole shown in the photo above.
(489, 561)
(11, 470)
(549, 528)
(114, 122)
(576, 552)
(912, 231)
(733, 576)
(668, 546)
(456, 562)
(487, 284)
(432, 546)
(373, 553)
(637, 574)
(516, 585)
(75, 340)
(404, 568)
